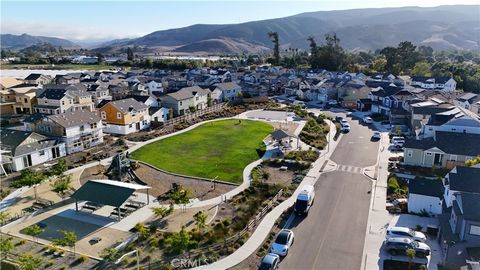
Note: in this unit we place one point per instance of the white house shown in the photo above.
(425, 196)
(443, 84)
(455, 120)
(227, 91)
(154, 86)
(23, 149)
(159, 115)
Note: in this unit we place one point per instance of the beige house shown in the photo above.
(186, 100)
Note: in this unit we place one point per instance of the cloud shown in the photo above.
(72, 32)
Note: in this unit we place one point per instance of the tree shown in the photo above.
(129, 54)
(180, 196)
(330, 56)
(29, 262)
(30, 178)
(276, 47)
(379, 64)
(69, 240)
(200, 219)
(4, 217)
(6, 246)
(34, 231)
(110, 254)
(162, 212)
(142, 230)
(59, 168)
(179, 242)
(422, 69)
(410, 252)
(61, 185)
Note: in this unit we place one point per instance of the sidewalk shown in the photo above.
(265, 226)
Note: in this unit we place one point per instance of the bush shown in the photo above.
(49, 263)
(83, 258)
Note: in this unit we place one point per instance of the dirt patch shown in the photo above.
(179, 218)
(162, 182)
(95, 172)
(277, 176)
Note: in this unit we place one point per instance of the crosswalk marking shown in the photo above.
(348, 168)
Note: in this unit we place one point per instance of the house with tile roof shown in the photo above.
(23, 149)
(124, 116)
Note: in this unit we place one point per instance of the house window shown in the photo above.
(63, 102)
(26, 100)
(180, 103)
(94, 125)
(82, 128)
(453, 157)
(428, 154)
(130, 126)
(41, 152)
(104, 115)
(119, 115)
(409, 153)
(475, 230)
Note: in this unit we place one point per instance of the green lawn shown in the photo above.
(220, 148)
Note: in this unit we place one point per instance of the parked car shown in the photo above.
(399, 246)
(332, 102)
(270, 262)
(367, 120)
(406, 232)
(376, 135)
(345, 128)
(304, 200)
(282, 243)
(344, 122)
(349, 114)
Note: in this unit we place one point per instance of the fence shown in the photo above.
(227, 241)
(196, 114)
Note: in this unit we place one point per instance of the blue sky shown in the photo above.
(96, 20)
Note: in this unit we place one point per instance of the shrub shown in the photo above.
(49, 263)
(83, 258)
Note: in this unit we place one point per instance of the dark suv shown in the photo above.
(399, 246)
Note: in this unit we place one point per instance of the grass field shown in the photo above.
(217, 149)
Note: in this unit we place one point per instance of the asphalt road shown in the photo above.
(331, 237)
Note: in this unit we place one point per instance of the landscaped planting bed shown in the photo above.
(314, 133)
(219, 149)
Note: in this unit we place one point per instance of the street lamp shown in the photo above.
(128, 254)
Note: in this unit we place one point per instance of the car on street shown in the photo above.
(349, 114)
(270, 262)
(332, 102)
(399, 245)
(304, 200)
(405, 232)
(376, 135)
(345, 128)
(367, 120)
(282, 243)
(344, 122)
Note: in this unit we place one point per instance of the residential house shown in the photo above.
(187, 99)
(56, 99)
(150, 101)
(226, 91)
(425, 196)
(37, 79)
(25, 99)
(444, 149)
(421, 112)
(23, 149)
(99, 93)
(79, 130)
(460, 179)
(159, 114)
(460, 228)
(70, 78)
(351, 91)
(9, 82)
(7, 101)
(454, 120)
(469, 101)
(124, 116)
(155, 87)
(443, 84)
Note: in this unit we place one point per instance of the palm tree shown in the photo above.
(201, 220)
(276, 46)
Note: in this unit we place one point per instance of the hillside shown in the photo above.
(443, 27)
(17, 42)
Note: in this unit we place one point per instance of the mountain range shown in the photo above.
(442, 27)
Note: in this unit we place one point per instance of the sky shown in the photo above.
(102, 20)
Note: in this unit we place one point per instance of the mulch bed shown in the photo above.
(162, 182)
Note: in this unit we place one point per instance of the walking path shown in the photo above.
(267, 223)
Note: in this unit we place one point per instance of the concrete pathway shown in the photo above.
(267, 223)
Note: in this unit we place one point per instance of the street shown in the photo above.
(332, 235)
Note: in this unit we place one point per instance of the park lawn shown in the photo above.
(219, 149)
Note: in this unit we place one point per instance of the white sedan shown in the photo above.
(282, 243)
(376, 135)
(367, 120)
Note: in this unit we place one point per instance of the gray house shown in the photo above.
(444, 149)
(460, 228)
(187, 99)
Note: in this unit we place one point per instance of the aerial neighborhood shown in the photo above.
(245, 146)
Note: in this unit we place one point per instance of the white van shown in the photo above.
(304, 200)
